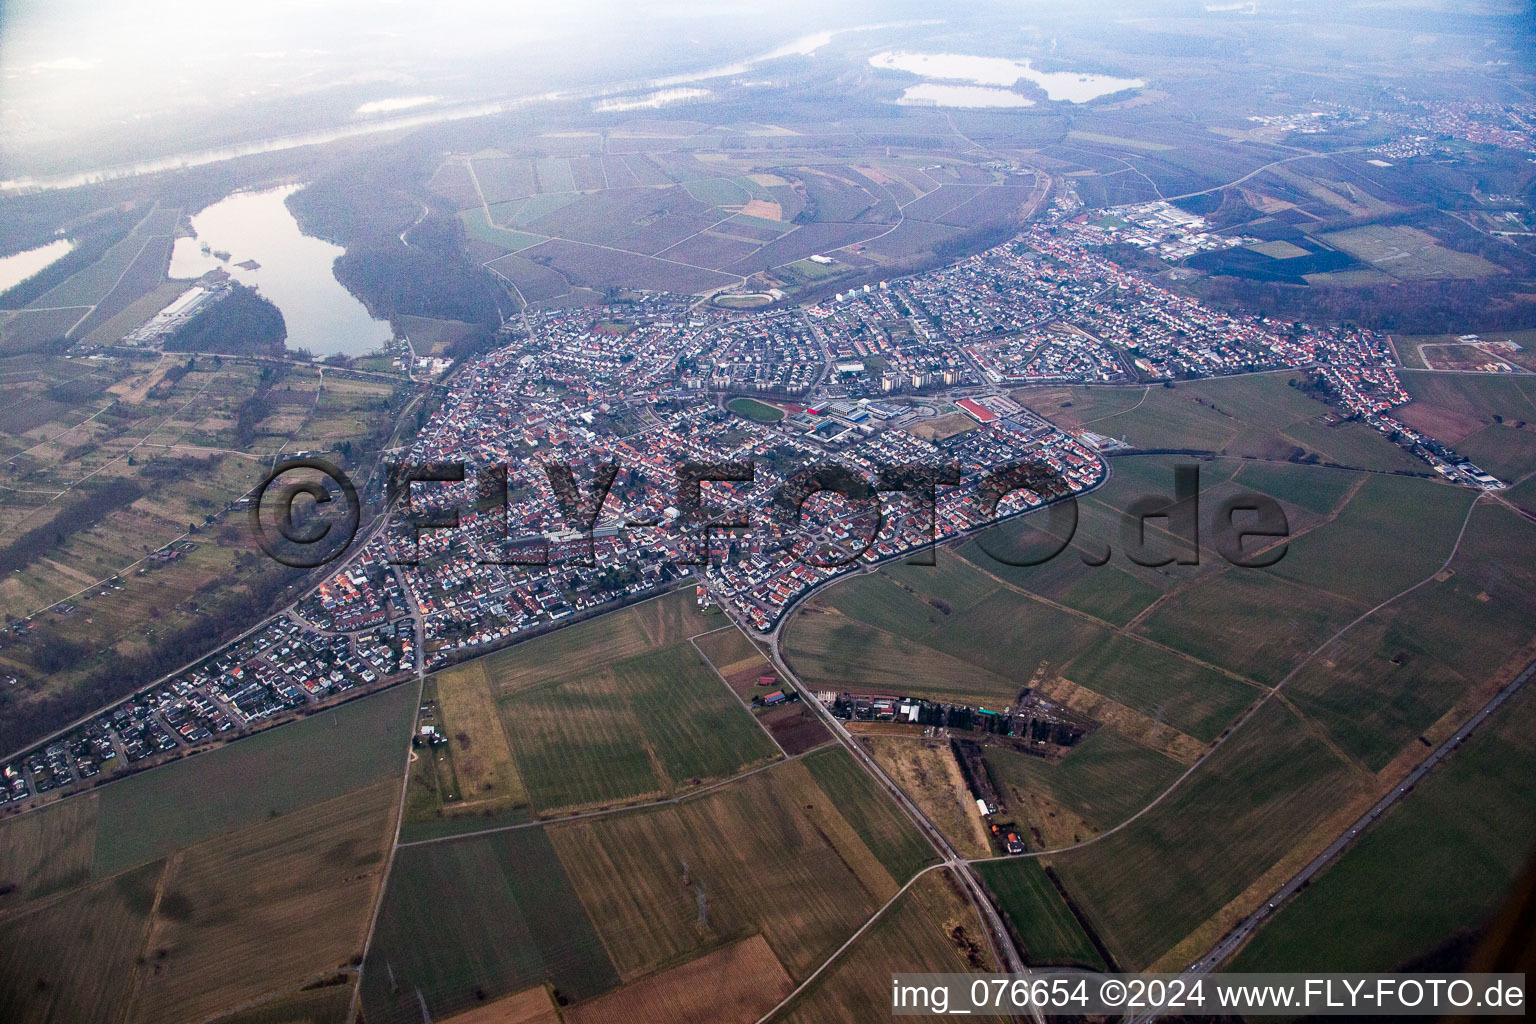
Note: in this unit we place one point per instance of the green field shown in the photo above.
(1314, 488)
(1395, 531)
(1148, 886)
(1393, 676)
(718, 192)
(477, 918)
(873, 815)
(1257, 415)
(755, 410)
(622, 708)
(1279, 622)
(478, 228)
(272, 773)
(1189, 696)
(1044, 923)
(652, 725)
(1436, 867)
(1105, 779)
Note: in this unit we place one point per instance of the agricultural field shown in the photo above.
(622, 709)
(1455, 639)
(1195, 698)
(1407, 253)
(735, 984)
(651, 726)
(265, 908)
(1259, 416)
(931, 928)
(45, 852)
(1491, 420)
(227, 918)
(736, 658)
(1435, 869)
(268, 775)
(794, 727)
(879, 823)
(674, 216)
(81, 950)
(1243, 811)
(328, 1001)
(1153, 658)
(531, 1006)
(1099, 784)
(472, 776)
(794, 869)
(128, 270)
(1047, 929)
(467, 920)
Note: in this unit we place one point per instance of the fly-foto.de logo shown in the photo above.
(306, 512)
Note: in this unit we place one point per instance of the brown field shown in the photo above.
(884, 662)
(1463, 357)
(943, 428)
(530, 1006)
(1448, 425)
(874, 174)
(731, 652)
(482, 760)
(265, 907)
(927, 771)
(74, 959)
(764, 865)
(764, 209)
(795, 727)
(735, 984)
(675, 617)
(134, 389)
(46, 851)
(930, 929)
(834, 828)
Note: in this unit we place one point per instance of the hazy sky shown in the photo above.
(71, 70)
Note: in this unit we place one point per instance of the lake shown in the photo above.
(294, 271)
(18, 267)
(1071, 86)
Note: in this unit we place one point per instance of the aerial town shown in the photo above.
(913, 371)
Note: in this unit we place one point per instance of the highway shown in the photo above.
(1234, 939)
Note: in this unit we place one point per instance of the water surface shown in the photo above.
(17, 268)
(295, 271)
(1072, 86)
